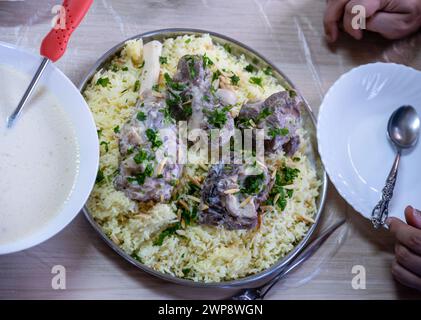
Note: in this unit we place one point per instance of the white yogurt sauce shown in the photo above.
(39, 158)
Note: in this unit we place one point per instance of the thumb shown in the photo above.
(413, 217)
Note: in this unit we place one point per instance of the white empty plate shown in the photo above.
(353, 141)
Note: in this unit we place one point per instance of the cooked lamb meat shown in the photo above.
(190, 97)
(148, 164)
(279, 116)
(232, 194)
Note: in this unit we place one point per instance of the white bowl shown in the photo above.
(352, 136)
(76, 108)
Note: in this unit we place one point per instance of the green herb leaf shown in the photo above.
(166, 233)
(105, 144)
(249, 68)
(136, 86)
(116, 129)
(227, 48)
(141, 116)
(268, 71)
(263, 114)
(216, 75)
(163, 60)
(99, 176)
(235, 79)
(103, 82)
(125, 68)
(207, 61)
(256, 81)
(153, 138)
(252, 185)
(141, 156)
(274, 132)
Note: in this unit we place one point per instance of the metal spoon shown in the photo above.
(403, 131)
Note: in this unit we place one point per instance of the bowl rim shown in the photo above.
(84, 181)
(251, 280)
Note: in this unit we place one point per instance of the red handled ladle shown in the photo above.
(53, 46)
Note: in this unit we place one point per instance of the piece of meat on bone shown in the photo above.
(190, 97)
(279, 116)
(231, 195)
(148, 166)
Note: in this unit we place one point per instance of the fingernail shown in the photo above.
(416, 212)
(388, 222)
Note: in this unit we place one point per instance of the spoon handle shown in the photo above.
(381, 210)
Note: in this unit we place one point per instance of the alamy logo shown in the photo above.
(58, 282)
(359, 280)
(359, 20)
(59, 19)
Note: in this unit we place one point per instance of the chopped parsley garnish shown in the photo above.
(296, 159)
(206, 98)
(235, 79)
(263, 114)
(141, 116)
(249, 68)
(163, 60)
(186, 271)
(227, 48)
(155, 87)
(105, 144)
(207, 61)
(288, 175)
(130, 150)
(116, 129)
(284, 177)
(103, 82)
(192, 70)
(274, 132)
(268, 71)
(142, 65)
(167, 114)
(166, 233)
(114, 68)
(189, 216)
(188, 41)
(172, 84)
(253, 184)
(99, 176)
(136, 86)
(216, 75)
(153, 138)
(99, 133)
(218, 117)
(256, 81)
(292, 93)
(125, 68)
(125, 90)
(141, 156)
(141, 177)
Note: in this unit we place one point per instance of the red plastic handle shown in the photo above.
(54, 44)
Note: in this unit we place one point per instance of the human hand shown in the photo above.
(393, 19)
(407, 265)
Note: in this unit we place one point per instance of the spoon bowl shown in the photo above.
(404, 127)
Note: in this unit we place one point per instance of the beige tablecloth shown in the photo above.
(290, 34)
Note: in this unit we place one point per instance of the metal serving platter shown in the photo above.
(309, 123)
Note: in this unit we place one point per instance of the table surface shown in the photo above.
(290, 34)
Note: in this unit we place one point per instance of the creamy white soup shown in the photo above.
(38, 159)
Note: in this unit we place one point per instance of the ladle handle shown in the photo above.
(71, 14)
(381, 210)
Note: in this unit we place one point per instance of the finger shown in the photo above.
(392, 25)
(408, 259)
(405, 234)
(333, 14)
(413, 217)
(405, 277)
(370, 8)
